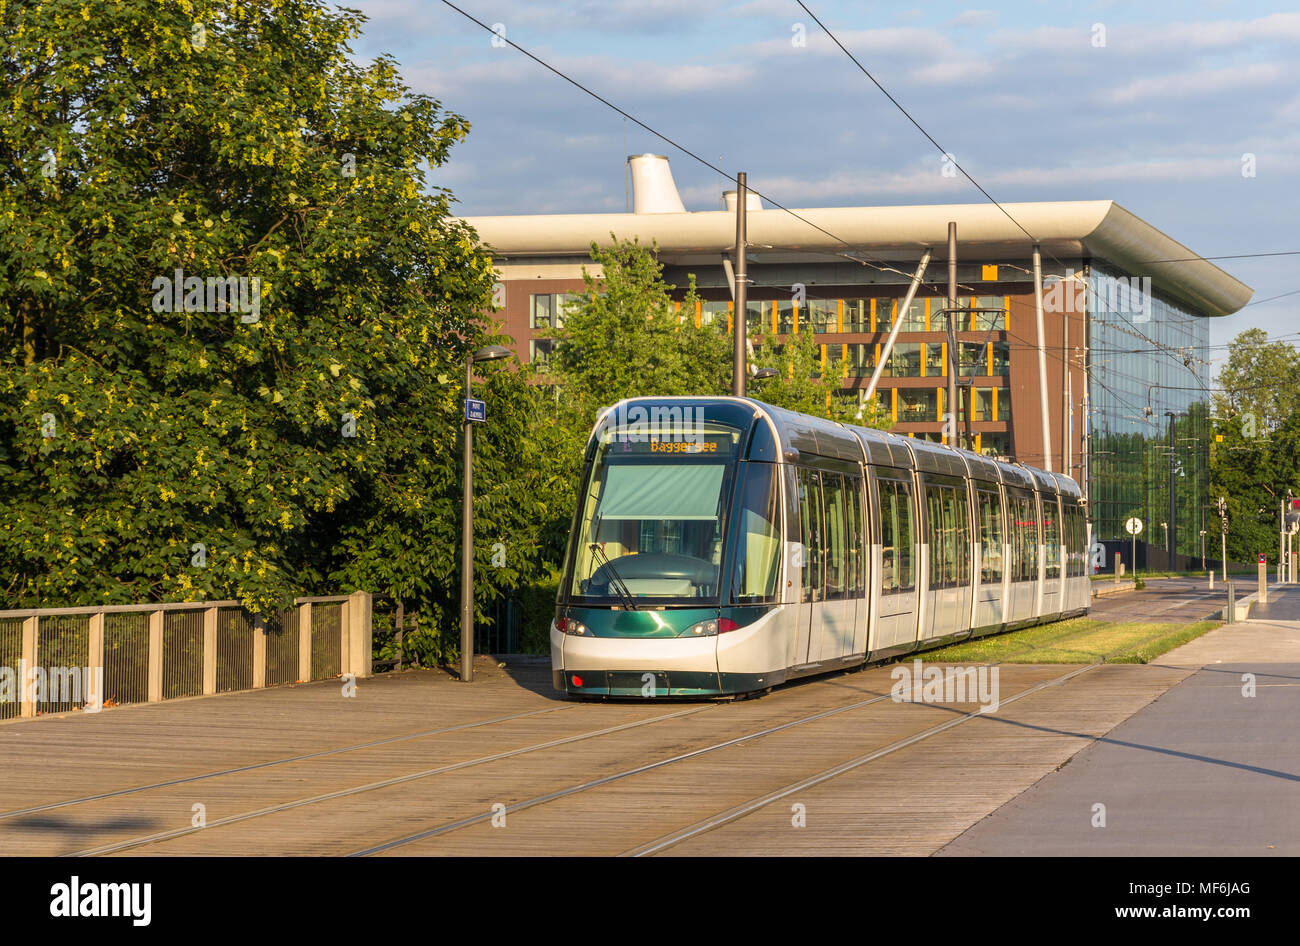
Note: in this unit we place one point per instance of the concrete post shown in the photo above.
(155, 656)
(209, 651)
(1263, 583)
(259, 652)
(304, 642)
(359, 635)
(95, 661)
(1231, 610)
(26, 664)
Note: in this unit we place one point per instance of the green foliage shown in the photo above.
(1255, 456)
(800, 385)
(236, 139)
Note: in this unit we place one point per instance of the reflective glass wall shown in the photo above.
(1147, 352)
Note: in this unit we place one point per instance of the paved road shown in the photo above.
(1206, 769)
(1165, 599)
(416, 763)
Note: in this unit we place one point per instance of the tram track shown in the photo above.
(254, 766)
(115, 847)
(539, 799)
(552, 796)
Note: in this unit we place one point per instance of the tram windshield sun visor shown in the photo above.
(686, 491)
(652, 523)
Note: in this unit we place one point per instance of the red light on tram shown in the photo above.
(726, 624)
(577, 680)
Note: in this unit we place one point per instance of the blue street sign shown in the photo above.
(475, 410)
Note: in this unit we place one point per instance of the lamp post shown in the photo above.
(490, 353)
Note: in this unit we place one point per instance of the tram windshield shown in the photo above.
(652, 517)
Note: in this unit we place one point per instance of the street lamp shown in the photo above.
(762, 373)
(490, 353)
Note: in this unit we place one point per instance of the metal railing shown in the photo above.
(57, 659)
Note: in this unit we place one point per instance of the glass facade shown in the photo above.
(1146, 352)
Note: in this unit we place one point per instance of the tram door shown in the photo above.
(812, 528)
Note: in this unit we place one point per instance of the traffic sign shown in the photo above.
(475, 410)
(1134, 526)
(1263, 560)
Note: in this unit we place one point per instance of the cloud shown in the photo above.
(1199, 83)
(971, 18)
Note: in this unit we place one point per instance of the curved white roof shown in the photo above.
(1097, 228)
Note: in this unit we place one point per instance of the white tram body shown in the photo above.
(722, 546)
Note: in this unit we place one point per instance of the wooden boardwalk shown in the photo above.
(420, 753)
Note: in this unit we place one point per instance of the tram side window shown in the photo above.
(836, 512)
(758, 547)
(935, 535)
(949, 529)
(888, 535)
(1024, 531)
(961, 535)
(1051, 538)
(896, 536)
(906, 537)
(990, 512)
(810, 521)
(855, 581)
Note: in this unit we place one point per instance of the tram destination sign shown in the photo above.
(706, 445)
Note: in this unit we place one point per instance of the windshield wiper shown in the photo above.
(616, 580)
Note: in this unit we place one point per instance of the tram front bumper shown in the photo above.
(634, 666)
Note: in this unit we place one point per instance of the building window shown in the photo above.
(823, 315)
(1001, 353)
(990, 321)
(857, 315)
(934, 360)
(918, 405)
(984, 404)
(862, 360)
(914, 317)
(540, 351)
(711, 311)
(548, 309)
(971, 359)
(995, 444)
(905, 361)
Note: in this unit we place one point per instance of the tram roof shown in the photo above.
(803, 433)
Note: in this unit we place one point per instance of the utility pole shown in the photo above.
(1223, 539)
(740, 319)
(952, 324)
(1042, 360)
(1173, 504)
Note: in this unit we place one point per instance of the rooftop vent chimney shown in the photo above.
(752, 201)
(653, 190)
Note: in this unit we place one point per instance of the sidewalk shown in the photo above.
(1206, 769)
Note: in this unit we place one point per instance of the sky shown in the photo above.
(1185, 113)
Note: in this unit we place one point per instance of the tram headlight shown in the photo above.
(570, 626)
(710, 628)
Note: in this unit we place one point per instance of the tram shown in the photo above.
(723, 546)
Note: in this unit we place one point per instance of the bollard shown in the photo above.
(1263, 583)
(1211, 581)
(1231, 610)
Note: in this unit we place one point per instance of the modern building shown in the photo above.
(1125, 322)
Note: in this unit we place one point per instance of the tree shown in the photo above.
(235, 315)
(1255, 456)
(801, 384)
